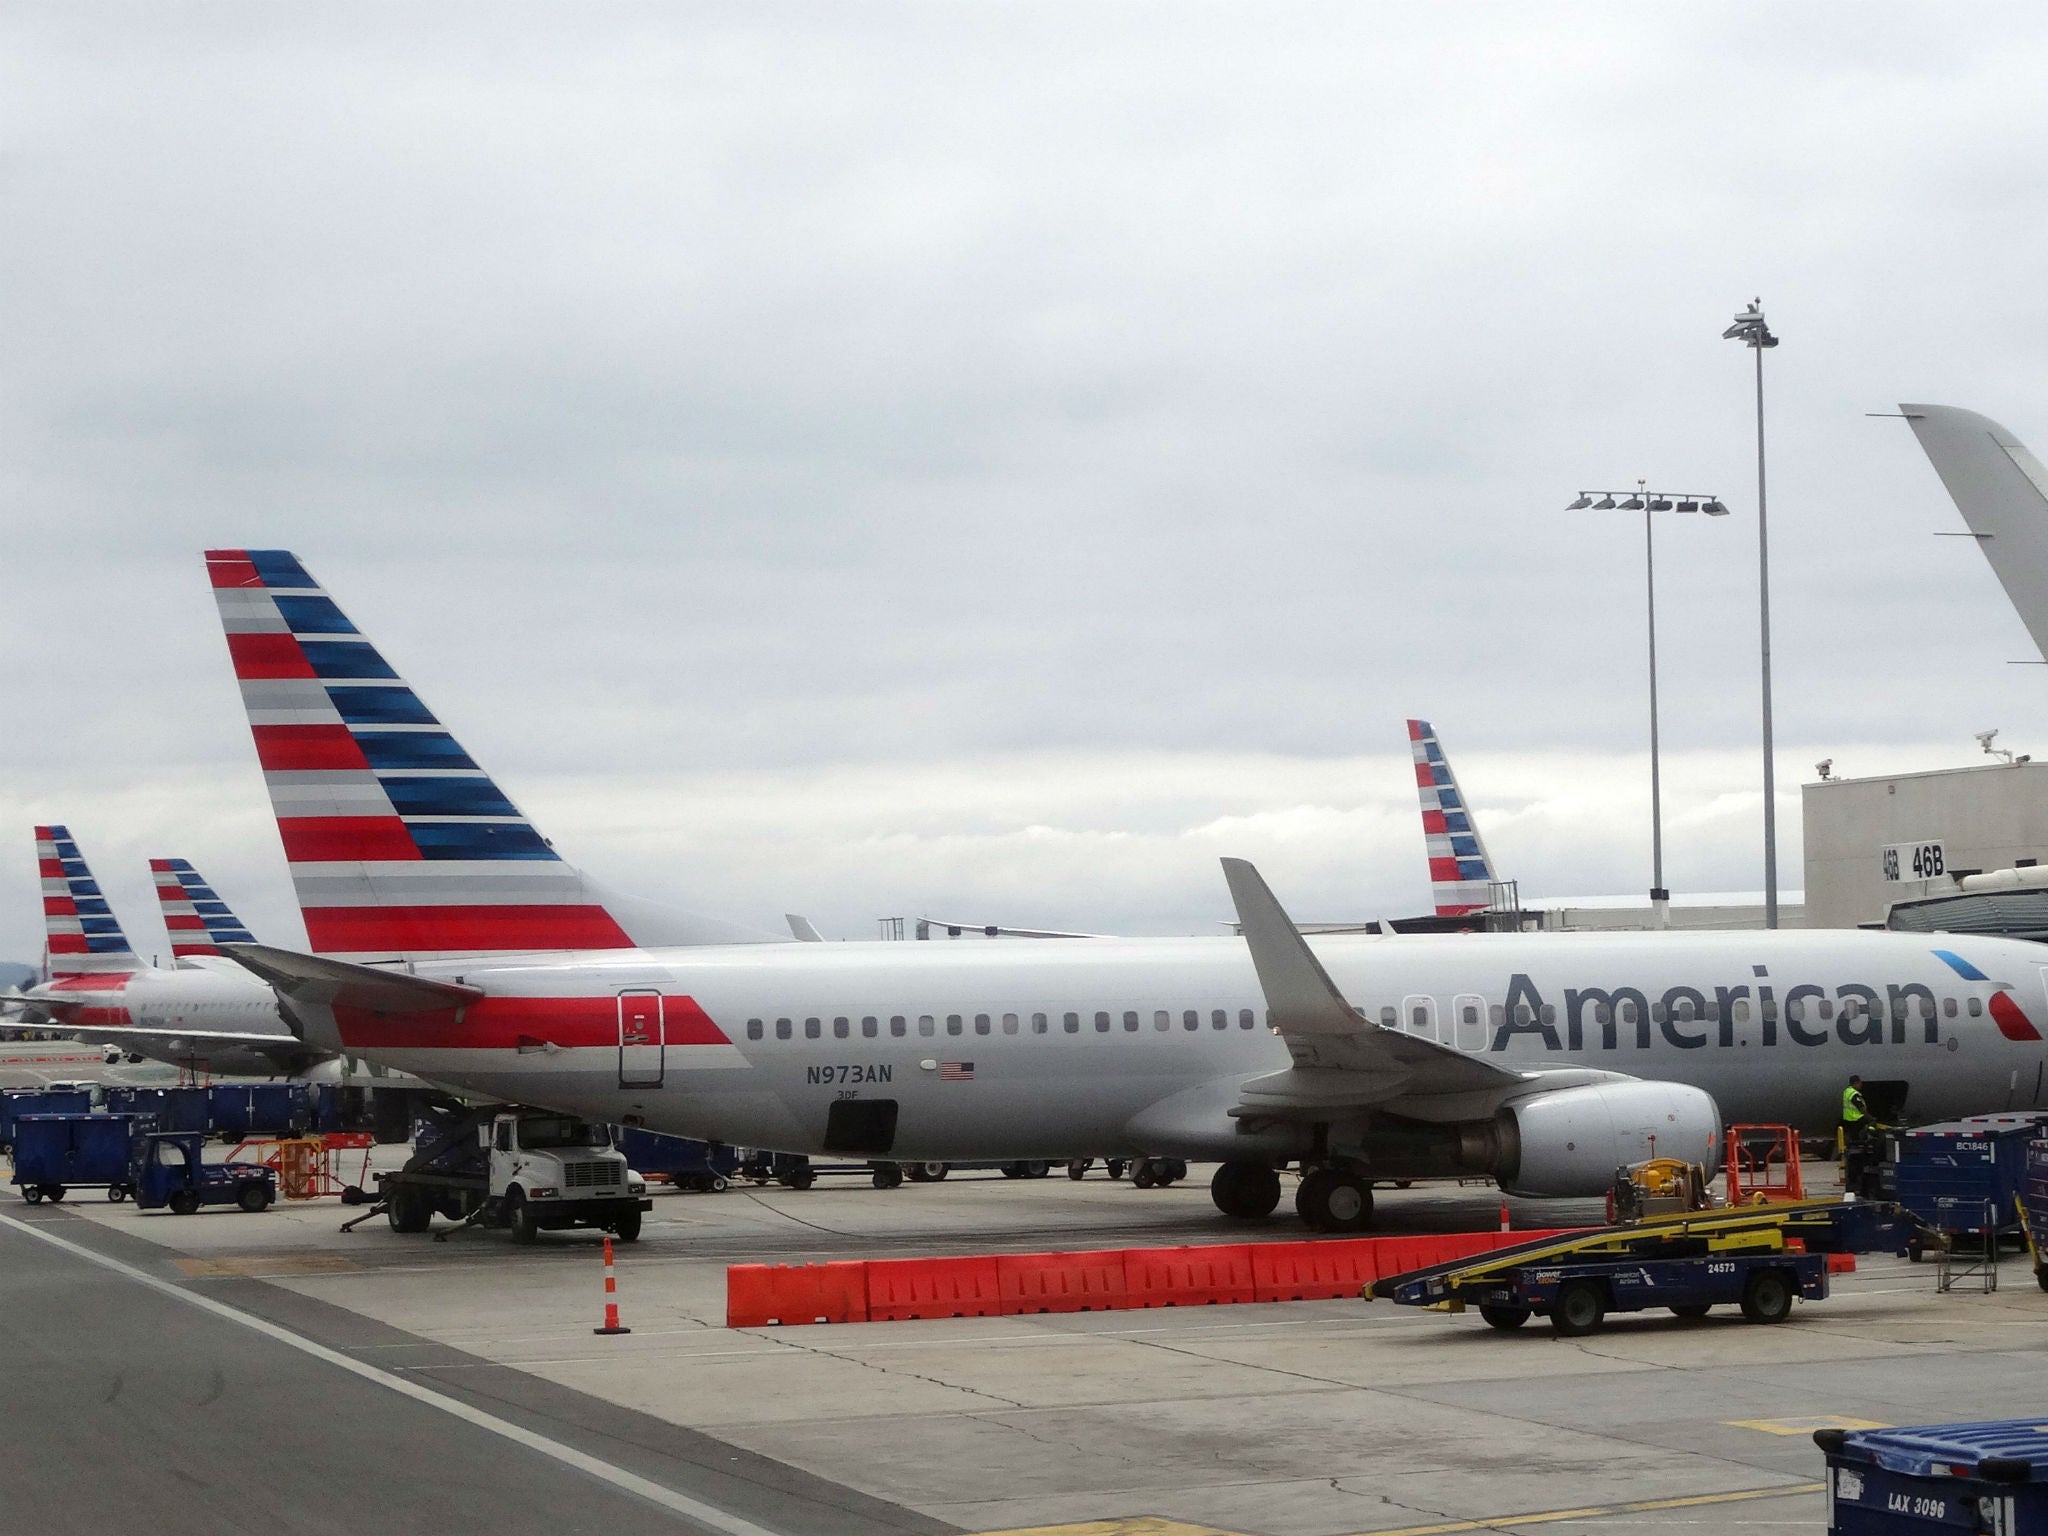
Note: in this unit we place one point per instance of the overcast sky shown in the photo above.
(993, 459)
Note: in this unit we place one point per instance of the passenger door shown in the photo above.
(642, 1040)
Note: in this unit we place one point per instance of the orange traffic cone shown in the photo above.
(1505, 1224)
(611, 1296)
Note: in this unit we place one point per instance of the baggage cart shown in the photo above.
(700, 1165)
(237, 1111)
(1936, 1478)
(175, 1109)
(55, 1154)
(39, 1101)
(1976, 1165)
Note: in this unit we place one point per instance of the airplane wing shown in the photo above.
(999, 931)
(2002, 491)
(805, 930)
(1341, 1058)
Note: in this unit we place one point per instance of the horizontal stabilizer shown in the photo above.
(316, 979)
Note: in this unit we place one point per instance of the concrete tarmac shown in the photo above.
(127, 1408)
(1306, 1419)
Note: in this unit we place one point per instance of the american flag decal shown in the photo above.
(956, 1071)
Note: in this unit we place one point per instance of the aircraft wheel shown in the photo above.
(1245, 1190)
(1334, 1200)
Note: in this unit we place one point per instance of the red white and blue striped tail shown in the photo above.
(81, 933)
(1460, 872)
(400, 846)
(198, 921)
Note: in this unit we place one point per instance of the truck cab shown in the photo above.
(528, 1171)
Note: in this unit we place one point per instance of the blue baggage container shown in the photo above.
(239, 1110)
(175, 1109)
(690, 1164)
(1980, 1164)
(39, 1101)
(1937, 1477)
(55, 1154)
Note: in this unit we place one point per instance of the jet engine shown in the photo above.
(1571, 1141)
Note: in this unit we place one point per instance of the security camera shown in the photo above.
(1825, 768)
(1985, 738)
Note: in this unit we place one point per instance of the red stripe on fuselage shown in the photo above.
(346, 839)
(460, 930)
(88, 981)
(505, 1023)
(268, 656)
(307, 748)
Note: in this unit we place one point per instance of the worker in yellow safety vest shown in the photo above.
(1855, 1113)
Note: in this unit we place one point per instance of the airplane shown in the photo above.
(2002, 491)
(205, 1014)
(462, 947)
(1460, 871)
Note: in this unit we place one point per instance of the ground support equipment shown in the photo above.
(1761, 1258)
(169, 1168)
(56, 1154)
(2033, 1206)
(1975, 1164)
(1937, 1479)
(1969, 1243)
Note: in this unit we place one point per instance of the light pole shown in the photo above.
(1749, 329)
(1648, 502)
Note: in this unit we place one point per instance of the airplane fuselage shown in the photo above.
(1057, 1048)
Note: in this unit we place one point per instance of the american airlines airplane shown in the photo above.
(1460, 872)
(457, 944)
(205, 1013)
(2002, 491)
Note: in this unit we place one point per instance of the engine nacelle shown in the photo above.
(1571, 1141)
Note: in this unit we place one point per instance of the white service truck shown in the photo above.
(528, 1171)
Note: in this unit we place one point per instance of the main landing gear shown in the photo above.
(1245, 1190)
(1334, 1200)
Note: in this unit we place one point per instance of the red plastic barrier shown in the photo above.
(1315, 1271)
(759, 1294)
(1188, 1277)
(1090, 1281)
(906, 1288)
(1841, 1263)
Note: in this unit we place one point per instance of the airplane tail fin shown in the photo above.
(80, 931)
(2002, 491)
(1460, 872)
(400, 846)
(198, 921)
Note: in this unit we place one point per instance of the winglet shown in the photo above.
(316, 979)
(1299, 993)
(805, 930)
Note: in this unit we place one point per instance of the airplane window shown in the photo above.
(897, 1025)
(981, 1023)
(1220, 1019)
(813, 1028)
(1071, 1022)
(1795, 1010)
(1976, 1007)
(1683, 1011)
(1102, 1023)
(1390, 1017)
(1191, 1019)
(1548, 1013)
(753, 1029)
(1161, 1019)
(926, 1024)
(1826, 1007)
(841, 1028)
(1711, 1013)
(954, 1023)
(1039, 1023)
(1657, 1013)
(1948, 1007)
(1245, 1019)
(1418, 1018)
(1009, 1023)
(870, 1026)
(1522, 1015)
(1469, 1013)
(1626, 1009)
(1770, 1008)
(1499, 1015)
(1130, 1019)
(782, 1029)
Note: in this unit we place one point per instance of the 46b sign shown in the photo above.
(1914, 861)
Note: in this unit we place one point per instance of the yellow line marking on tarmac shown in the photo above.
(1806, 1425)
(257, 1265)
(1152, 1525)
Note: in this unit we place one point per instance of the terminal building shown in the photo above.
(1959, 850)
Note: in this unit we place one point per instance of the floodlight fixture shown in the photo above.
(1633, 504)
(1604, 504)
(1713, 508)
(1660, 503)
(1581, 504)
